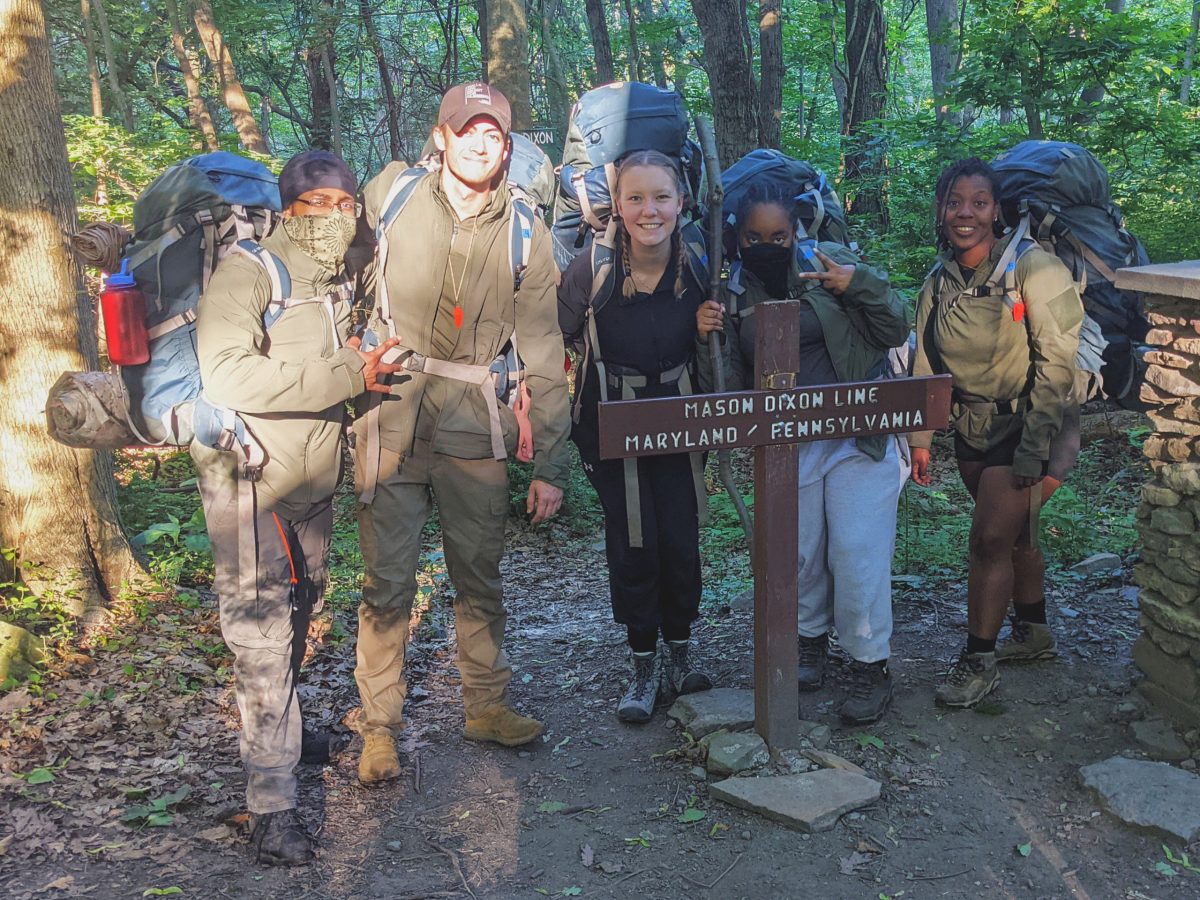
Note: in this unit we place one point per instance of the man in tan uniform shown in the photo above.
(445, 280)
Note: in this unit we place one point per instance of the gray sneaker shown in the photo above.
(679, 677)
(1027, 642)
(813, 658)
(638, 703)
(972, 677)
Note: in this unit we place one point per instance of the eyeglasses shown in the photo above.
(345, 207)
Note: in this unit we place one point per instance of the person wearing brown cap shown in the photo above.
(269, 518)
(446, 279)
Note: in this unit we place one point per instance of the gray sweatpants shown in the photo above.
(266, 625)
(847, 537)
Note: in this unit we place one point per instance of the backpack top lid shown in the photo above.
(820, 209)
(531, 172)
(1054, 173)
(615, 119)
(203, 182)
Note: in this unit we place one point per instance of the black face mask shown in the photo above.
(770, 263)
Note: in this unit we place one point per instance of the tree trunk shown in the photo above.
(730, 76)
(110, 60)
(231, 88)
(601, 43)
(635, 54)
(825, 13)
(508, 57)
(556, 80)
(385, 78)
(1091, 97)
(57, 505)
(1189, 56)
(89, 42)
(941, 22)
(770, 82)
(656, 49)
(866, 63)
(335, 116)
(197, 108)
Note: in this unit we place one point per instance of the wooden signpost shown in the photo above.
(774, 420)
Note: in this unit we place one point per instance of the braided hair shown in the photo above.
(655, 159)
(965, 168)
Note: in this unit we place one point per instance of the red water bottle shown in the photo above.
(124, 308)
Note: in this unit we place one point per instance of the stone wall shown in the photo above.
(1168, 651)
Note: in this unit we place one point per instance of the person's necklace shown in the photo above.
(457, 283)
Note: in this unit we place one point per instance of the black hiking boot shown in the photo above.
(869, 691)
(814, 656)
(678, 675)
(638, 703)
(279, 839)
(319, 747)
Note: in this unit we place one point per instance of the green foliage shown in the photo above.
(160, 509)
(157, 813)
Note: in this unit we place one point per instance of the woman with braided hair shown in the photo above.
(639, 330)
(1002, 316)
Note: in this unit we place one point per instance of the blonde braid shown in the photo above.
(680, 260)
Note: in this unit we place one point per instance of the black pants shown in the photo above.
(655, 586)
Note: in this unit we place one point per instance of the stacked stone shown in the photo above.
(1169, 575)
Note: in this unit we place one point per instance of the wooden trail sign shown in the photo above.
(773, 421)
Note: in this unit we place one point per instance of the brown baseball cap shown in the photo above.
(463, 102)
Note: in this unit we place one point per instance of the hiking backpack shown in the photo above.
(820, 209)
(185, 222)
(1057, 194)
(607, 124)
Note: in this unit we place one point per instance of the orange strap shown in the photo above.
(287, 547)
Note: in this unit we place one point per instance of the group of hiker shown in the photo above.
(466, 294)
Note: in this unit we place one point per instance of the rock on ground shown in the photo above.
(1097, 563)
(1147, 795)
(1159, 740)
(19, 649)
(710, 711)
(729, 754)
(809, 802)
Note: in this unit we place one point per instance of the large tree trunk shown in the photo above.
(231, 87)
(770, 83)
(1189, 56)
(110, 60)
(197, 108)
(57, 505)
(941, 22)
(727, 60)
(837, 74)
(508, 57)
(385, 78)
(866, 62)
(601, 44)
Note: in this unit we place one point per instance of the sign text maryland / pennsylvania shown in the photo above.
(755, 418)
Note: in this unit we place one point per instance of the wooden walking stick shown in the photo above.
(716, 215)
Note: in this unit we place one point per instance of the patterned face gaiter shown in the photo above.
(325, 238)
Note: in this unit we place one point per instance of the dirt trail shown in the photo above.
(593, 810)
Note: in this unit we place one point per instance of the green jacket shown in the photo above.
(859, 327)
(449, 413)
(995, 358)
(289, 385)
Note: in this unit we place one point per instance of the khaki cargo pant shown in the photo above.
(265, 627)
(472, 499)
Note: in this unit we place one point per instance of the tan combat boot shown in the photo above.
(378, 761)
(504, 726)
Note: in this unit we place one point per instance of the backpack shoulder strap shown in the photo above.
(520, 240)
(277, 274)
(695, 253)
(393, 204)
